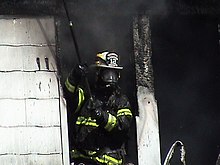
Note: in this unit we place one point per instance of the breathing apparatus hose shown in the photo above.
(172, 150)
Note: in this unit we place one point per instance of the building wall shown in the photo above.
(33, 115)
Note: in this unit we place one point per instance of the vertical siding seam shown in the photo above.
(25, 106)
(61, 137)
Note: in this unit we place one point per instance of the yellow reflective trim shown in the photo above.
(102, 159)
(125, 112)
(102, 56)
(111, 122)
(81, 98)
(91, 152)
(86, 121)
(69, 86)
(109, 160)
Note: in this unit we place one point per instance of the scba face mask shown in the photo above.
(109, 76)
(107, 69)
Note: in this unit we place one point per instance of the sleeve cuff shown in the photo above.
(112, 121)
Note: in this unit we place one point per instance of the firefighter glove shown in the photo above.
(97, 112)
(78, 72)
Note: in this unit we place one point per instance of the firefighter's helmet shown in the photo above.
(107, 64)
(108, 60)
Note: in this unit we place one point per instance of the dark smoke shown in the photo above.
(186, 63)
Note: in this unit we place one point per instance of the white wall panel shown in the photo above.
(33, 122)
(27, 140)
(12, 140)
(13, 160)
(12, 85)
(44, 160)
(29, 112)
(28, 85)
(43, 112)
(55, 159)
(12, 112)
(41, 85)
(25, 58)
(43, 140)
(27, 31)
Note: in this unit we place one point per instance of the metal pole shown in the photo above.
(72, 32)
(77, 48)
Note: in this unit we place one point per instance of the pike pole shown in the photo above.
(77, 48)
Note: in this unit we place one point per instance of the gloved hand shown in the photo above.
(94, 106)
(100, 116)
(78, 72)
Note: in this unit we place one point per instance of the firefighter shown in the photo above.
(98, 127)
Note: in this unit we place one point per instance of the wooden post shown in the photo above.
(148, 140)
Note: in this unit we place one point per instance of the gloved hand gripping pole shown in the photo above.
(77, 48)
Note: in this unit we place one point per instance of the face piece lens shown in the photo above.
(110, 76)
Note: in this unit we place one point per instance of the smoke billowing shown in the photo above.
(186, 68)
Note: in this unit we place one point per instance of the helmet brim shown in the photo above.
(105, 66)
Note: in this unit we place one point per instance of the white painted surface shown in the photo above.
(20, 85)
(30, 140)
(10, 108)
(147, 128)
(42, 112)
(25, 58)
(33, 123)
(54, 159)
(27, 31)
(64, 129)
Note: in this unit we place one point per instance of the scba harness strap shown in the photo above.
(105, 157)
